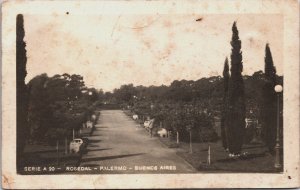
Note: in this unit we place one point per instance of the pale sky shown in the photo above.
(111, 50)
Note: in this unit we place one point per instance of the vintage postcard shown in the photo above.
(150, 94)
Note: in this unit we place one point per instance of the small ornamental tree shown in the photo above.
(268, 109)
(224, 108)
(235, 120)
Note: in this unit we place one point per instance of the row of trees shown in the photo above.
(48, 108)
(184, 90)
(179, 118)
(207, 92)
(57, 105)
(234, 99)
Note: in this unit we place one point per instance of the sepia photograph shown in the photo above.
(132, 111)
(148, 92)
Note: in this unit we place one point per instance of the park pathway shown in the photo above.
(120, 145)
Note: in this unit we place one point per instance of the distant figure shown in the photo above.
(150, 126)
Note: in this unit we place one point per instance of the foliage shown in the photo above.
(179, 117)
(235, 116)
(22, 91)
(268, 106)
(270, 70)
(226, 76)
(125, 93)
(58, 105)
(39, 107)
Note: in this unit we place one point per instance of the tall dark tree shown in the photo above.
(236, 97)
(226, 76)
(22, 92)
(268, 110)
(270, 70)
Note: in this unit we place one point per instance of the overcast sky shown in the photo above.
(111, 50)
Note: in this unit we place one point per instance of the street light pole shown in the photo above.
(278, 90)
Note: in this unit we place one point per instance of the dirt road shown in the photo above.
(120, 145)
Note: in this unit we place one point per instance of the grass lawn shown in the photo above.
(257, 159)
(46, 155)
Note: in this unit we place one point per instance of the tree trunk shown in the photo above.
(66, 145)
(73, 134)
(191, 148)
(208, 156)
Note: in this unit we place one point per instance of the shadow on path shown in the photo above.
(94, 141)
(93, 145)
(43, 151)
(109, 157)
(97, 135)
(100, 149)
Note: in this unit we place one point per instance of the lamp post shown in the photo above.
(278, 90)
(189, 127)
(152, 123)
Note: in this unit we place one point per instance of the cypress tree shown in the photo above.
(235, 119)
(268, 111)
(223, 118)
(270, 70)
(22, 92)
